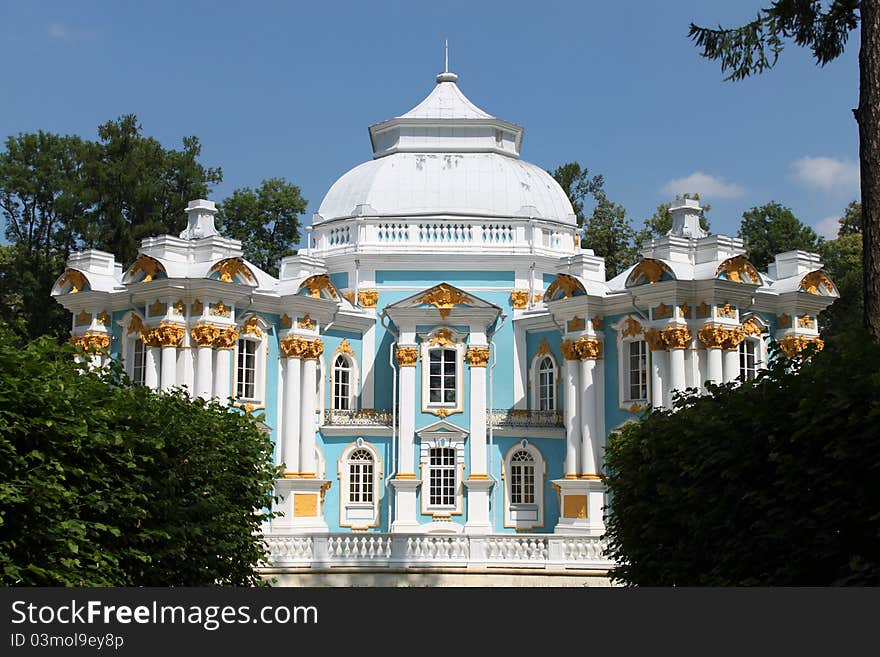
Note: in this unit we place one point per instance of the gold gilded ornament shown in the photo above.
(157, 308)
(204, 335)
(739, 270)
(795, 344)
(632, 328)
(285, 321)
(655, 340)
(91, 342)
(662, 311)
(78, 282)
(317, 284)
(576, 324)
(83, 319)
(443, 337)
(784, 321)
(676, 337)
(368, 298)
(649, 270)
(815, 281)
(727, 311)
(252, 326)
(226, 338)
(444, 297)
(543, 348)
(220, 309)
(568, 285)
(407, 356)
(478, 356)
(232, 267)
(150, 267)
(519, 299)
(344, 348)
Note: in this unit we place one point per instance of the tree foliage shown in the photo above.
(771, 229)
(755, 46)
(103, 483)
(842, 258)
(266, 220)
(610, 234)
(771, 482)
(577, 184)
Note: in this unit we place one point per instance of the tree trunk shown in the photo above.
(868, 116)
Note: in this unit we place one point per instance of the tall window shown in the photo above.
(748, 359)
(246, 372)
(522, 478)
(360, 473)
(341, 384)
(441, 476)
(637, 370)
(138, 362)
(442, 384)
(547, 385)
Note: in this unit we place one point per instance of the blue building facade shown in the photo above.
(441, 366)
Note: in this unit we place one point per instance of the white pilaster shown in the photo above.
(405, 483)
(291, 423)
(730, 365)
(572, 426)
(307, 427)
(151, 369)
(223, 375)
(368, 368)
(204, 378)
(478, 483)
(599, 436)
(658, 377)
(587, 389)
(520, 367)
(186, 367)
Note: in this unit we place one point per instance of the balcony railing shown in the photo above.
(516, 417)
(381, 551)
(365, 417)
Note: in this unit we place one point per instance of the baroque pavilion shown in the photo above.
(441, 367)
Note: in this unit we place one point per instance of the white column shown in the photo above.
(572, 426)
(599, 436)
(187, 366)
(291, 426)
(658, 377)
(307, 463)
(405, 483)
(204, 371)
(96, 361)
(714, 368)
(151, 370)
(169, 367)
(368, 368)
(730, 365)
(520, 367)
(222, 374)
(676, 370)
(588, 417)
(478, 483)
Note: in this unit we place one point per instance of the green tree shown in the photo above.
(577, 184)
(842, 258)
(138, 188)
(660, 223)
(824, 28)
(772, 228)
(42, 196)
(103, 483)
(610, 234)
(266, 220)
(770, 482)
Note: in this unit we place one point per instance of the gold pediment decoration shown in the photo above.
(77, 280)
(648, 269)
(632, 328)
(544, 348)
(443, 337)
(157, 308)
(345, 348)
(232, 267)
(317, 284)
(444, 297)
(815, 281)
(252, 326)
(150, 267)
(751, 327)
(568, 285)
(739, 270)
(136, 325)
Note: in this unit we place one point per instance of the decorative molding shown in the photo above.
(739, 270)
(232, 267)
(662, 311)
(220, 309)
(317, 284)
(150, 266)
(344, 348)
(103, 318)
(582, 349)
(721, 337)
(444, 297)
(443, 337)
(576, 324)
(136, 325)
(544, 348)
(368, 298)
(407, 356)
(813, 283)
(349, 296)
(226, 338)
(306, 322)
(179, 307)
(676, 337)
(519, 299)
(632, 328)
(78, 281)
(567, 284)
(648, 268)
(597, 323)
(751, 327)
(684, 311)
(795, 344)
(569, 351)
(478, 356)
(164, 335)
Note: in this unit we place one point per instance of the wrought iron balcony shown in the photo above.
(518, 417)
(364, 417)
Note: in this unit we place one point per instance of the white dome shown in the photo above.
(478, 184)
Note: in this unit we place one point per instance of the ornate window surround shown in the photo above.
(442, 434)
(129, 341)
(353, 380)
(255, 329)
(524, 516)
(359, 515)
(535, 379)
(758, 339)
(442, 337)
(626, 324)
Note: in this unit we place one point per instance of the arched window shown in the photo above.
(547, 384)
(360, 477)
(522, 478)
(342, 384)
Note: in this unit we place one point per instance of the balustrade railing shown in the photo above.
(516, 417)
(365, 417)
(380, 550)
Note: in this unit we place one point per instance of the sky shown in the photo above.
(285, 89)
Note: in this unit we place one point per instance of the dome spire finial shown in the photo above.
(446, 76)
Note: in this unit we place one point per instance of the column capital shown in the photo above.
(676, 337)
(407, 356)
(655, 340)
(204, 335)
(164, 335)
(92, 342)
(226, 338)
(582, 349)
(294, 346)
(478, 356)
(794, 344)
(720, 337)
(312, 349)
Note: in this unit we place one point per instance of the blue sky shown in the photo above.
(288, 89)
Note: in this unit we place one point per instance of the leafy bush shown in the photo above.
(104, 483)
(771, 482)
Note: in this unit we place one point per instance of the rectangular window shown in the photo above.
(138, 362)
(441, 376)
(246, 372)
(748, 359)
(441, 477)
(361, 482)
(638, 370)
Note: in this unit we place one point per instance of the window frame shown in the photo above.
(261, 355)
(443, 439)
(359, 515)
(535, 376)
(353, 380)
(524, 516)
(625, 401)
(442, 338)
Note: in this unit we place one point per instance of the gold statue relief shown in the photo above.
(368, 298)
(78, 281)
(632, 328)
(519, 299)
(220, 309)
(443, 337)
(444, 297)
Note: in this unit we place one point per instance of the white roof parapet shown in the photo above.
(686, 219)
(794, 263)
(200, 220)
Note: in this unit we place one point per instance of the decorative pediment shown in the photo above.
(71, 281)
(232, 270)
(738, 270)
(444, 298)
(144, 270)
(441, 427)
(319, 287)
(818, 283)
(563, 287)
(648, 272)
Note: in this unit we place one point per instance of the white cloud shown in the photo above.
(706, 186)
(828, 174)
(62, 32)
(827, 227)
